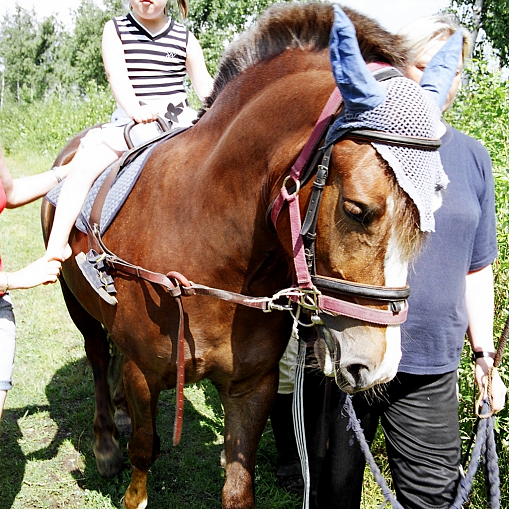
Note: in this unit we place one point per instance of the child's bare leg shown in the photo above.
(3, 395)
(87, 165)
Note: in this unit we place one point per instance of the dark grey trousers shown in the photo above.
(419, 417)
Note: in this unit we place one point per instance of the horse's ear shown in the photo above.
(439, 73)
(359, 89)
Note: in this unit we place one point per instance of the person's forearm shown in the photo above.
(37, 273)
(479, 297)
(27, 189)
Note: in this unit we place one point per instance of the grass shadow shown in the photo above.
(187, 476)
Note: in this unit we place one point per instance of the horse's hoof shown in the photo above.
(111, 463)
(136, 495)
(141, 506)
(123, 422)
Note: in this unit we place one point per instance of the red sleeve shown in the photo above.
(3, 203)
(3, 198)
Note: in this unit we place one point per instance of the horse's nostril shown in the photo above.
(356, 370)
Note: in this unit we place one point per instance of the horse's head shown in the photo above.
(367, 228)
(360, 230)
(378, 197)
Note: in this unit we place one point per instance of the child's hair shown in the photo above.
(422, 30)
(182, 5)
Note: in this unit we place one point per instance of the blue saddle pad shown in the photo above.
(117, 195)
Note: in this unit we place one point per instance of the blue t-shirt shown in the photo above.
(464, 240)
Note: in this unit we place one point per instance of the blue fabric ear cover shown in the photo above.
(359, 89)
(439, 73)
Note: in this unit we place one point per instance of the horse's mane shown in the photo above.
(301, 25)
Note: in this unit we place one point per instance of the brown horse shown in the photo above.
(200, 208)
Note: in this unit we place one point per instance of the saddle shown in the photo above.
(102, 204)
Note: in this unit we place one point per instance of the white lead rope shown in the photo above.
(298, 415)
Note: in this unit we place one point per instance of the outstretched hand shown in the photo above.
(40, 272)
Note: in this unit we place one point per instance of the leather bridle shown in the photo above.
(340, 292)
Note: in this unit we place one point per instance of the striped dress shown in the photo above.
(156, 66)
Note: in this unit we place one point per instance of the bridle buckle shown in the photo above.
(308, 298)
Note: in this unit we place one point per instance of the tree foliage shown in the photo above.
(492, 16)
(41, 56)
(85, 56)
(26, 49)
(495, 22)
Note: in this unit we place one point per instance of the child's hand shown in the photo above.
(144, 115)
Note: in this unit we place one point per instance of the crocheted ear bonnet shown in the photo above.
(398, 106)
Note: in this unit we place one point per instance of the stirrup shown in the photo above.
(95, 271)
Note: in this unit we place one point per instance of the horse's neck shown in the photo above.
(263, 117)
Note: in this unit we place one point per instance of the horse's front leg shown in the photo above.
(144, 443)
(245, 417)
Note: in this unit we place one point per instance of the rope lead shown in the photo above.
(484, 448)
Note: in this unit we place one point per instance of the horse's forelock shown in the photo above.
(302, 25)
(408, 231)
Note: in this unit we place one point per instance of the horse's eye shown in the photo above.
(353, 210)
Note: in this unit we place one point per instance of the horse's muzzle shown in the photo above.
(361, 355)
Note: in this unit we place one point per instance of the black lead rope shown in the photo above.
(484, 449)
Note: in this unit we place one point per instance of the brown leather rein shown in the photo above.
(307, 294)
